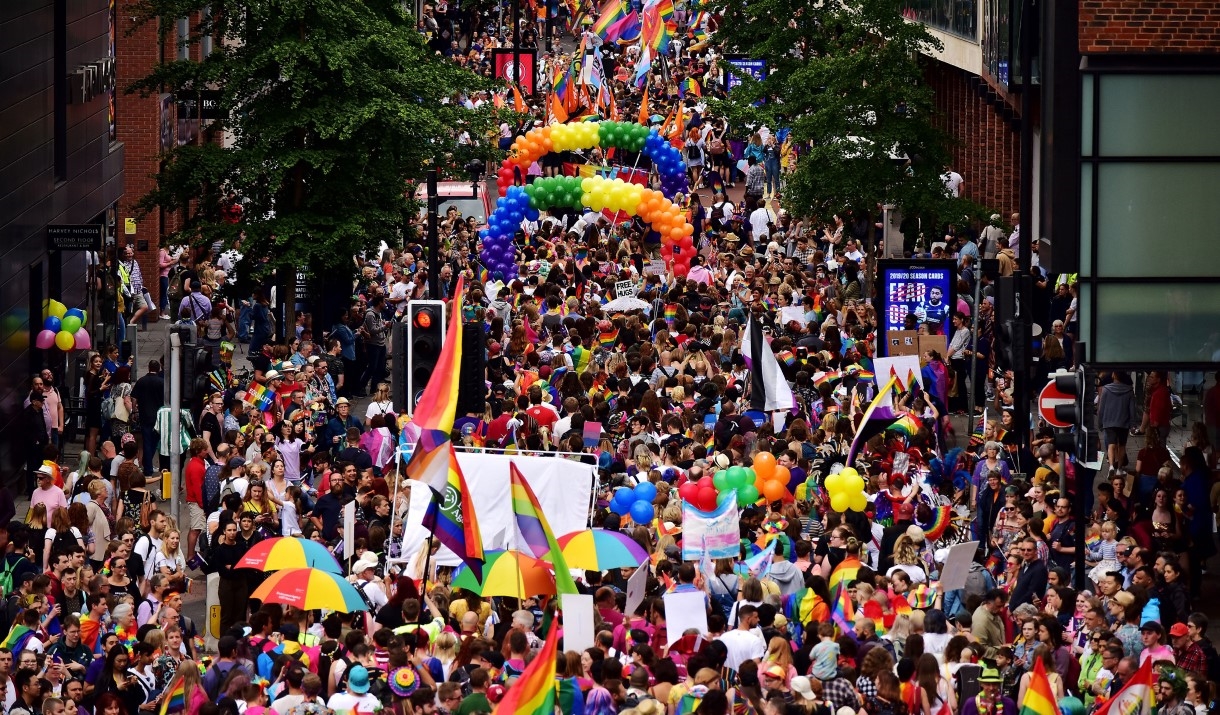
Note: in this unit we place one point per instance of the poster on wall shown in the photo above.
(922, 291)
(522, 72)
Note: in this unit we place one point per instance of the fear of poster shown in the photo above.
(917, 295)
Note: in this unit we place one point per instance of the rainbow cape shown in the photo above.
(175, 697)
(841, 609)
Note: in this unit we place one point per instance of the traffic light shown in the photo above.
(1012, 326)
(425, 337)
(1084, 440)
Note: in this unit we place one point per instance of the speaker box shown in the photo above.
(472, 384)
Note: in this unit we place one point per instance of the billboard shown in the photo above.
(521, 72)
(923, 289)
(744, 65)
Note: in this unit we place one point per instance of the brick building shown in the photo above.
(1126, 160)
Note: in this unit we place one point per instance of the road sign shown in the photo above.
(1048, 398)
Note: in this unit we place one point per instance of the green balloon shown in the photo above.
(71, 324)
(736, 476)
(721, 480)
(747, 494)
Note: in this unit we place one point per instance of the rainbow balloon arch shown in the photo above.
(656, 208)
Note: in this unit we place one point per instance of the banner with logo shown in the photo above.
(714, 533)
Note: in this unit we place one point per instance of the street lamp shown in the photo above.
(474, 167)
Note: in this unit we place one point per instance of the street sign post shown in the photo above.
(1048, 398)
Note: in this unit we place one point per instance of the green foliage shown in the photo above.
(845, 77)
(332, 110)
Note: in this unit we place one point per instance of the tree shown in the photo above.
(845, 78)
(332, 109)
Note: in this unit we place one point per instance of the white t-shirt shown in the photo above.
(342, 703)
(147, 547)
(288, 702)
(378, 408)
(374, 592)
(759, 218)
(742, 646)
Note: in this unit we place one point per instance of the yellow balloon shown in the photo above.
(64, 340)
(849, 472)
(586, 185)
(586, 199)
(859, 502)
(839, 502)
(57, 309)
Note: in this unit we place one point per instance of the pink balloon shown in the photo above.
(83, 341)
(45, 340)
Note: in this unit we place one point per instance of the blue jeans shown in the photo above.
(374, 372)
(245, 319)
(152, 443)
(163, 296)
(771, 169)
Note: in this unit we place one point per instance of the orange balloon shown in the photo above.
(688, 230)
(781, 475)
(675, 232)
(773, 490)
(764, 465)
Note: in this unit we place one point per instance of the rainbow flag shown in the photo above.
(827, 377)
(906, 424)
(655, 31)
(580, 359)
(841, 609)
(17, 638)
(690, 86)
(533, 531)
(799, 607)
(259, 397)
(450, 515)
(175, 697)
(437, 407)
(698, 27)
(671, 313)
(786, 357)
(612, 12)
(980, 428)
(1039, 697)
(1134, 697)
(628, 26)
(876, 419)
(608, 339)
(942, 516)
(899, 603)
(569, 698)
(688, 705)
(534, 693)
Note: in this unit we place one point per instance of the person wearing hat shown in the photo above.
(337, 427)
(355, 697)
(46, 492)
(1152, 634)
(989, 701)
(774, 676)
(364, 578)
(32, 430)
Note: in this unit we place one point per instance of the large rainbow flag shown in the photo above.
(437, 407)
(534, 693)
(175, 697)
(612, 11)
(879, 415)
(841, 610)
(533, 532)
(451, 515)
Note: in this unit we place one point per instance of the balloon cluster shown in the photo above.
(772, 477)
(846, 490)
(636, 503)
(702, 494)
(498, 254)
(62, 328)
(531, 146)
(739, 481)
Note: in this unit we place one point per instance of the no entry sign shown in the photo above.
(1048, 398)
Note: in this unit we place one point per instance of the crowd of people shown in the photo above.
(95, 574)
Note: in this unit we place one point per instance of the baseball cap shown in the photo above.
(1152, 626)
(1178, 630)
(776, 671)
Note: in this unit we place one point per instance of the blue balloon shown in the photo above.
(483, 234)
(645, 491)
(642, 512)
(52, 323)
(75, 313)
(532, 214)
(624, 496)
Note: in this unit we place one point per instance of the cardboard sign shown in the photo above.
(939, 343)
(683, 611)
(624, 288)
(902, 342)
(636, 588)
(578, 628)
(654, 268)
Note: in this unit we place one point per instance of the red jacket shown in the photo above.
(195, 469)
(1159, 407)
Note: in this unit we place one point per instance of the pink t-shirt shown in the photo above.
(53, 497)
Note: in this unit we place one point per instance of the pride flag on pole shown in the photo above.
(175, 698)
(1039, 697)
(534, 533)
(534, 693)
(437, 407)
(450, 515)
(841, 609)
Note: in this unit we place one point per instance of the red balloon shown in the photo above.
(707, 498)
(681, 269)
(685, 242)
(706, 483)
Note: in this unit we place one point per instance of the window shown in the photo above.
(957, 17)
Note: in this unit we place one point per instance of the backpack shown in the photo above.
(723, 601)
(108, 407)
(175, 285)
(6, 576)
(64, 541)
(1209, 650)
(976, 581)
(227, 488)
(211, 488)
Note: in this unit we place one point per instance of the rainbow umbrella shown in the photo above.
(600, 550)
(289, 553)
(508, 573)
(308, 589)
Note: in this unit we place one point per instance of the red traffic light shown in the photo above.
(423, 319)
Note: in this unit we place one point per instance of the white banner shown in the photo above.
(564, 489)
(714, 533)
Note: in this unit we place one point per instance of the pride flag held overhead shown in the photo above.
(437, 407)
(535, 692)
(841, 611)
(450, 516)
(533, 533)
(612, 11)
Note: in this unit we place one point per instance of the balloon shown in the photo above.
(849, 472)
(75, 312)
(55, 308)
(721, 480)
(706, 483)
(623, 497)
(689, 491)
(781, 475)
(45, 340)
(722, 496)
(834, 483)
(70, 324)
(736, 476)
(839, 502)
(773, 490)
(52, 323)
(642, 512)
(706, 500)
(747, 495)
(64, 340)
(859, 502)
(764, 464)
(645, 491)
(83, 341)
